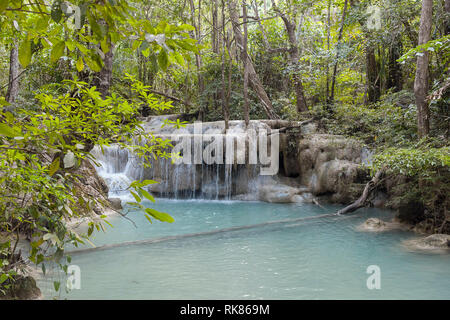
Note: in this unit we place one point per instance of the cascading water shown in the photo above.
(205, 180)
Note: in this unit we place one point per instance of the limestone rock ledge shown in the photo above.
(330, 165)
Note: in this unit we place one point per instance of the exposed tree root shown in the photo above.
(361, 202)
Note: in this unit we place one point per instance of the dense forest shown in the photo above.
(82, 73)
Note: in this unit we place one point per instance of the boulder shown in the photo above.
(116, 203)
(329, 164)
(378, 225)
(92, 186)
(433, 243)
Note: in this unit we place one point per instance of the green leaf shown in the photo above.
(148, 218)
(163, 60)
(57, 51)
(186, 27)
(104, 44)
(3, 277)
(93, 65)
(3, 5)
(25, 53)
(42, 23)
(80, 64)
(147, 195)
(162, 216)
(147, 182)
(8, 131)
(138, 199)
(56, 284)
(54, 167)
(179, 58)
(95, 26)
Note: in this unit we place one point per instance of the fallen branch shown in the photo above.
(361, 202)
(287, 127)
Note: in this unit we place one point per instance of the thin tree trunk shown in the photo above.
(254, 80)
(327, 91)
(361, 202)
(246, 115)
(214, 33)
(198, 58)
(447, 11)
(294, 58)
(373, 78)
(341, 29)
(102, 79)
(13, 80)
(421, 79)
(394, 79)
(223, 95)
(261, 27)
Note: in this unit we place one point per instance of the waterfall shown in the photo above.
(206, 178)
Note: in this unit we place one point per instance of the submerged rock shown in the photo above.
(435, 242)
(378, 225)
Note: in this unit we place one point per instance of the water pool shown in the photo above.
(252, 250)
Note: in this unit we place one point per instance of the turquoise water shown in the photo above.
(230, 253)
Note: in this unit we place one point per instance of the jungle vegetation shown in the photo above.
(81, 73)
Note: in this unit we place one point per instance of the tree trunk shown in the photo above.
(246, 115)
(421, 79)
(102, 79)
(254, 80)
(13, 80)
(341, 29)
(327, 90)
(223, 95)
(293, 59)
(361, 202)
(447, 11)
(198, 57)
(261, 27)
(214, 33)
(372, 73)
(394, 79)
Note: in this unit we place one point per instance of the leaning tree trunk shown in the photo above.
(421, 80)
(254, 80)
(13, 81)
(368, 189)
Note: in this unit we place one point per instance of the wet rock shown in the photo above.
(375, 224)
(330, 164)
(24, 288)
(116, 203)
(439, 243)
(92, 186)
(282, 194)
(378, 225)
